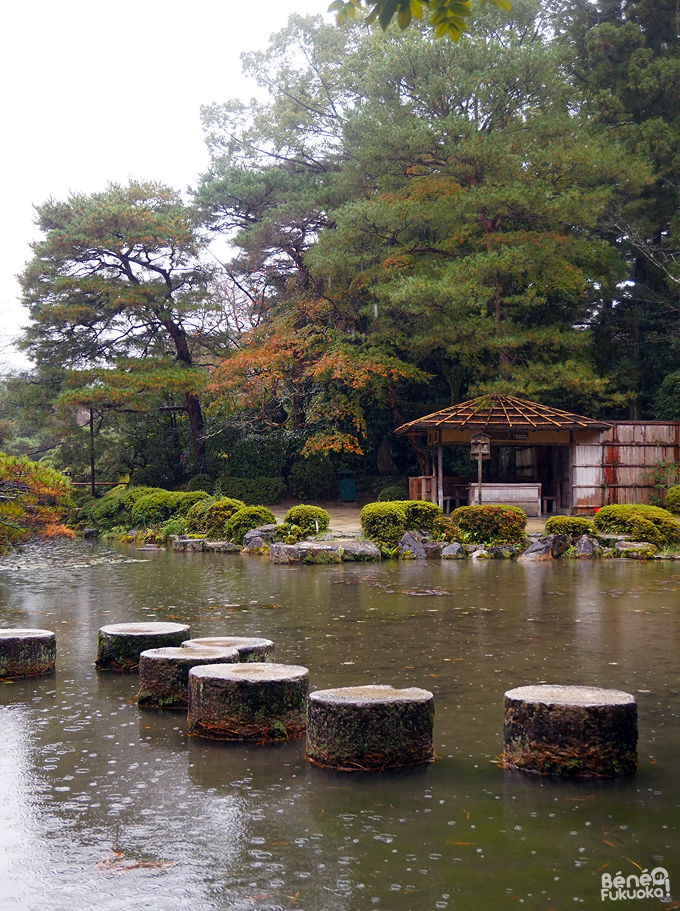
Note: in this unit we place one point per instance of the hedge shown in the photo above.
(635, 520)
(490, 525)
(673, 498)
(244, 519)
(196, 515)
(253, 491)
(384, 523)
(307, 517)
(218, 514)
(388, 494)
(574, 526)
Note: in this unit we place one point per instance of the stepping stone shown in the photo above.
(119, 645)
(248, 649)
(164, 673)
(254, 701)
(27, 653)
(570, 730)
(370, 728)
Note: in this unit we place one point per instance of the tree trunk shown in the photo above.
(194, 410)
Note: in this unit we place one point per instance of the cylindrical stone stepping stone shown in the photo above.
(164, 673)
(119, 645)
(27, 653)
(370, 728)
(248, 649)
(252, 701)
(570, 730)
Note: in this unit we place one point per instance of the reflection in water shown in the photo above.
(103, 803)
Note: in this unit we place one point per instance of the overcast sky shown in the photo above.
(99, 92)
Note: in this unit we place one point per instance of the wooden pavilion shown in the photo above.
(542, 459)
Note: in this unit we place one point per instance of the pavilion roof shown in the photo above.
(503, 413)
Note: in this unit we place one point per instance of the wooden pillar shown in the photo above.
(440, 477)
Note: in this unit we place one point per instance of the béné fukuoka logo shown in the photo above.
(647, 885)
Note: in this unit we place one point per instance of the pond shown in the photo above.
(103, 804)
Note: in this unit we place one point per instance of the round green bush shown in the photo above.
(624, 520)
(196, 515)
(574, 526)
(186, 501)
(490, 525)
(154, 508)
(307, 518)
(673, 498)
(391, 493)
(420, 514)
(218, 514)
(245, 519)
(106, 512)
(384, 523)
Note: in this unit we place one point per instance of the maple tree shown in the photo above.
(33, 499)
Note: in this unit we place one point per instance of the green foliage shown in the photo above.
(116, 289)
(673, 498)
(313, 478)
(196, 515)
(184, 502)
(200, 482)
(393, 492)
(154, 508)
(447, 17)
(244, 519)
(574, 526)
(420, 514)
(667, 399)
(177, 525)
(140, 506)
(217, 515)
(253, 491)
(490, 525)
(443, 529)
(307, 518)
(33, 500)
(635, 520)
(384, 523)
(257, 456)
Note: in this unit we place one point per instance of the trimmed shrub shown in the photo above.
(444, 529)
(391, 494)
(177, 525)
(200, 482)
(187, 501)
(131, 494)
(306, 518)
(490, 524)
(574, 526)
(384, 523)
(245, 519)
(218, 514)
(253, 491)
(313, 478)
(625, 520)
(196, 515)
(154, 508)
(673, 498)
(421, 514)
(106, 512)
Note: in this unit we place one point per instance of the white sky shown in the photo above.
(94, 92)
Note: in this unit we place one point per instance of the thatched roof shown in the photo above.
(502, 413)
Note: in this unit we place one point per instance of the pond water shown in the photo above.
(103, 805)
